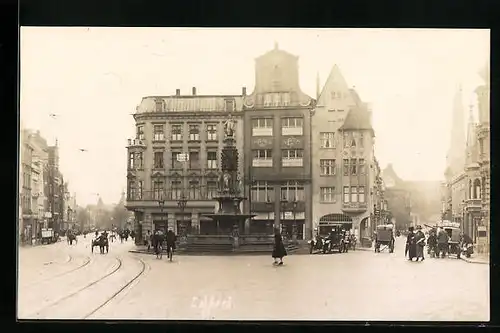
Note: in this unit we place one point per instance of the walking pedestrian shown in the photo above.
(442, 239)
(279, 250)
(420, 243)
(410, 245)
(148, 239)
(170, 238)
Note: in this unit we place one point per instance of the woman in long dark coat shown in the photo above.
(279, 250)
(411, 246)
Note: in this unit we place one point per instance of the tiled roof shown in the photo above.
(189, 103)
(358, 118)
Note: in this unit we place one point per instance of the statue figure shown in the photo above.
(227, 178)
(229, 126)
(241, 187)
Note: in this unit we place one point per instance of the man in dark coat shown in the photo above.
(420, 243)
(442, 238)
(411, 249)
(279, 250)
(171, 238)
(432, 242)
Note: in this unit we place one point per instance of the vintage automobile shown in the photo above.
(454, 241)
(384, 238)
(333, 235)
(49, 236)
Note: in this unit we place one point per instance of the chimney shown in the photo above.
(177, 92)
(244, 91)
(194, 91)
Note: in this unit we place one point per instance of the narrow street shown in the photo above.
(62, 281)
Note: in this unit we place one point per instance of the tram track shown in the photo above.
(85, 263)
(78, 304)
(120, 290)
(53, 304)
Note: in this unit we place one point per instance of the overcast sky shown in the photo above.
(93, 78)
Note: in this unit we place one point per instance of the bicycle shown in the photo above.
(170, 251)
(159, 251)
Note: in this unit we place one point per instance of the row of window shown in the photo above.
(289, 126)
(176, 132)
(351, 139)
(328, 167)
(136, 160)
(275, 99)
(262, 191)
(286, 122)
(353, 167)
(351, 194)
(194, 191)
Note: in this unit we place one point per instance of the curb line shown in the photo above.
(474, 262)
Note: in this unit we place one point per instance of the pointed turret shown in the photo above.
(456, 151)
(471, 139)
(336, 93)
(317, 86)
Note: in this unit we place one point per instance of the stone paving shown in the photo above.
(359, 285)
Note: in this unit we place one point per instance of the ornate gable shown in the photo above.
(157, 174)
(212, 174)
(175, 174)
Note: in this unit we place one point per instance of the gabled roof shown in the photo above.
(335, 81)
(357, 118)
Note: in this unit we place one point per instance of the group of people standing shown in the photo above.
(158, 238)
(415, 243)
(437, 243)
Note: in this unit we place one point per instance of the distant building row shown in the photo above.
(44, 199)
(466, 190)
(303, 160)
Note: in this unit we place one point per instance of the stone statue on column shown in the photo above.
(229, 126)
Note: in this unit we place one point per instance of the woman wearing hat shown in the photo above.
(420, 243)
(279, 250)
(411, 247)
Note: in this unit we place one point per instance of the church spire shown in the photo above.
(318, 91)
(471, 138)
(456, 152)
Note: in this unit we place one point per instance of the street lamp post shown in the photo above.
(269, 205)
(182, 206)
(161, 203)
(284, 203)
(294, 230)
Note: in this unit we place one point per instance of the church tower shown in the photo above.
(456, 151)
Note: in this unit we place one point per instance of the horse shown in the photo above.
(71, 237)
(103, 244)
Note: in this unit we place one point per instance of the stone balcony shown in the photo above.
(473, 204)
(136, 143)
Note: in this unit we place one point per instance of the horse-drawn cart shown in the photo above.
(384, 238)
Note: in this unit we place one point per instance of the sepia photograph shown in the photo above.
(254, 174)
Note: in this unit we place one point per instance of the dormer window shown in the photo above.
(159, 105)
(229, 105)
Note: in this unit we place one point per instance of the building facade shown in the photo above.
(54, 189)
(25, 190)
(398, 198)
(173, 162)
(345, 180)
(483, 137)
(277, 136)
(39, 168)
(464, 201)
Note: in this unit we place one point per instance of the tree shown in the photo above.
(120, 213)
(82, 217)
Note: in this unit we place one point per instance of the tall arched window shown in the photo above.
(477, 189)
